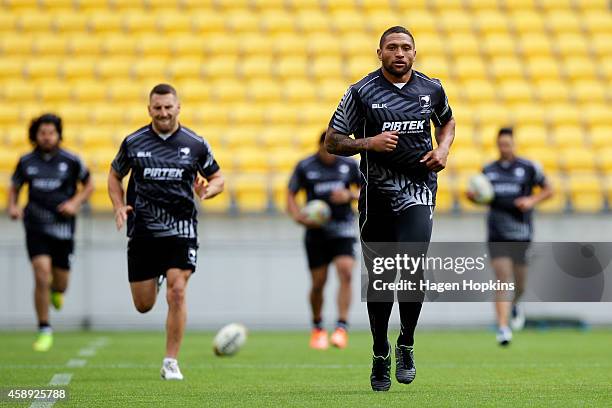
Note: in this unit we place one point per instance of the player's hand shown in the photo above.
(384, 142)
(524, 203)
(68, 208)
(340, 196)
(435, 160)
(121, 214)
(15, 212)
(470, 196)
(200, 186)
(301, 219)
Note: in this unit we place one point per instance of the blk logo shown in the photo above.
(425, 101)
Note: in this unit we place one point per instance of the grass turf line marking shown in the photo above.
(57, 379)
(76, 362)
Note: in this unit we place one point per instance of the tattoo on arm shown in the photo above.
(343, 145)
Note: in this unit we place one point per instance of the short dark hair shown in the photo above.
(395, 30)
(162, 89)
(41, 120)
(505, 131)
(322, 138)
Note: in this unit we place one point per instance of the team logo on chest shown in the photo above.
(62, 167)
(425, 101)
(184, 153)
(519, 172)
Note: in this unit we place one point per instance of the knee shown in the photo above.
(143, 306)
(345, 276)
(175, 295)
(42, 281)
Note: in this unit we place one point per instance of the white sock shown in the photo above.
(168, 360)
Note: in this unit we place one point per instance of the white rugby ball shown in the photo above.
(481, 188)
(229, 339)
(317, 211)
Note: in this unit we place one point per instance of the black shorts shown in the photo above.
(515, 250)
(149, 258)
(321, 250)
(60, 250)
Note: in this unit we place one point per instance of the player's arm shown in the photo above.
(117, 196)
(344, 145)
(70, 208)
(528, 202)
(435, 160)
(13, 208)
(210, 186)
(295, 212)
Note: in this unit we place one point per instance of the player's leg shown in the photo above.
(145, 265)
(41, 264)
(60, 259)
(415, 227)
(175, 322)
(144, 294)
(344, 267)
(502, 265)
(318, 335)
(517, 321)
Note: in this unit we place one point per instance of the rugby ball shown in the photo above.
(317, 211)
(481, 189)
(230, 339)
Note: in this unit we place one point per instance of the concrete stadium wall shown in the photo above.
(251, 270)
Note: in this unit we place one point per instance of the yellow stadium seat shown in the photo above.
(563, 114)
(586, 193)
(527, 21)
(77, 115)
(330, 90)
(461, 45)
(119, 45)
(341, 6)
(527, 114)
(470, 68)
(568, 137)
(543, 69)
(139, 23)
(324, 45)
(108, 115)
(326, 68)
(251, 193)
(209, 114)
(66, 22)
(281, 114)
(604, 160)
(587, 91)
(53, 92)
(255, 45)
(208, 22)
(563, 21)
(505, 68)
(264, 5)
(528, 137)
(276, 22)
(44, 46)
(379, 21)
(113, 68)
(231, 5)
(313, 21)
(43, 68)
(558, 202)
(479, 90)
(455, 21)
(105, 23)
(297, 91)
(219, 204)
(194, 91)
(488, 114)
(185, 68)
(154, 46)
(600, 136)
(198, 5)
(91, 6)
(220, 67)
(98, 137)
(222, 46)
(130, 6)
(598, 22)
(348, 22)
(256, 67)
(420, 22)
(564, 5)
(87, 91)
(84, 46)
(375, 6)
(552, 91)
(442, 5)
(36, 22)
(8, 22)
(535, 45)
(596, 114)
(605, 67)
(277, 136)
(128, 92)
(77, 69)
(9, 115)
(242, 142)
(465, 159)
(602, 44)
(498, 45)
(306, 138)
(264, 91)
(354, 46)
(572, 45)
(465, 136)
(12, 68)
(189, 46)
(150, 69)
(434, 67)
(579, 68)
(516, 91)
(174, 23)
(357, 68)
(228, 91)
(283, 159)
(491, 21)
(317, 115)
(547, 158)
(247, 114)
(290, 45)
(278, 186)
(134, 117)
(16, 45)
(242, 22)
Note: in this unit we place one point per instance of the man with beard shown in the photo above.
(52, 175)
(165, 159)
(389, 113)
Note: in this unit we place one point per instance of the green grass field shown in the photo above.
(454, 368)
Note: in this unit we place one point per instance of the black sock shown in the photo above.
(409, 316)
(317, 324)
(379, 313)
(342, 324)
(43, 325)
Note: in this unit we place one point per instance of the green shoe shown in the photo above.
(43, 342)
(57, 299)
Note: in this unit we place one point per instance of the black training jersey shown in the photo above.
(510, 181)
(319, 180)
(161, 184)
(396, 180)
(52, 179)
